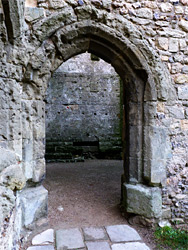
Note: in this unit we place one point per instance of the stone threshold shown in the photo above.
(116, 237)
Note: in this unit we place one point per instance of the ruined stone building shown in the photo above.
(146, 44)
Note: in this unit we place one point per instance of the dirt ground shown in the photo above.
(87, 194)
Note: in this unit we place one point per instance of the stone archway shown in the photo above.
(145, 79)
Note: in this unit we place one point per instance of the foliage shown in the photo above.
(174, 238)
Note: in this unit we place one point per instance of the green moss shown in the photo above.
(174, 238)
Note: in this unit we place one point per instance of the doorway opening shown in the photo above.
(84, 151)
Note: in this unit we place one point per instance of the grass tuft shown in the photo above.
(174, 238)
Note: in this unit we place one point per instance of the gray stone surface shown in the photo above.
(143, 200)
(34, 203)
(7, 202)
(183, 92)
(102, 245)
(94, 233)
(32, 14)
(13, 177)
(69, 239)
(119, 233)
(44, 238)
(130, 246)
(47, 247)
(7, 158)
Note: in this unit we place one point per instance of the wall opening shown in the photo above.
(84, 116)
(145, 80)
(84, 111)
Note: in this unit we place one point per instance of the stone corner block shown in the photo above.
(143, 200)
(34, 201)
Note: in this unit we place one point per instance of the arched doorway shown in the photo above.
(141, 71)
(84, 144)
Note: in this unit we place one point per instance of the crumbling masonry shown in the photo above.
(146, 43)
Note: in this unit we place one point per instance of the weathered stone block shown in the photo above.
(120, 233)
(69, 238)
(94, 233)
(182, 45)
(7, 202)
(7, 158)
(179, 10)
(183, 92)
(34, 203)
(144, 13)
(173, 45)
(39, 169)
(184, 124)
(11, 71)
(184, 25)
(184, 69)
(100, 245)
(158, 171)
(14, 128)
(181, 78)
(142, 200)
(157, 149)
(32, 14)
(28, 158)
(167, 32)
(177, 112)
(162, 43)
(4, 124)
(57, 4)
(166, 7)
(12, 177)
(31, 3)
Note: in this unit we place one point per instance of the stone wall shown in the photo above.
(146, 42)
(83, 113)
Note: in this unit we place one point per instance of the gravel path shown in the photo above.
(87, 194)
(84, 194)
